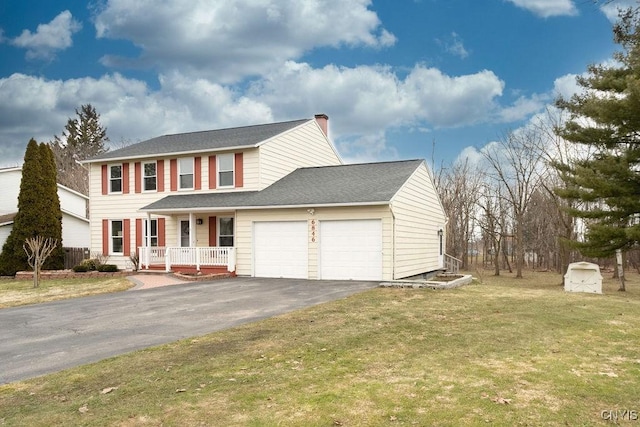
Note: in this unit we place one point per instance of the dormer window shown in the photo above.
(185, 173)
(226, 170)
(115, 179)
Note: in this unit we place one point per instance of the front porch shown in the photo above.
(206, 260)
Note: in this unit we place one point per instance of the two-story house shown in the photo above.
(271, 200)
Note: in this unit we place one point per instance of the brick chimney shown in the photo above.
(323, 121)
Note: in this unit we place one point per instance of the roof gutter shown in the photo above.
(168, 154)
(228, 208)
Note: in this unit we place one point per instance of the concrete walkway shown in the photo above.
(154, 280)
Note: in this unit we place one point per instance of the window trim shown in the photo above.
(112, 180)
(145, 176)
(220, 171)
(112, 237)
(180, 174)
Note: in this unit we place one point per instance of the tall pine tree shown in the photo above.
(83, 137)
(39, 211)
(605, 118)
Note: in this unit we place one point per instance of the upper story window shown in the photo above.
(150, 179)
(226, 170)
(115, 179)
(185, 173)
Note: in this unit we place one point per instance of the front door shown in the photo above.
(185, 241)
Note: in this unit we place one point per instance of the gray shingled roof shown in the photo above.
(365, 183)
(246, 136)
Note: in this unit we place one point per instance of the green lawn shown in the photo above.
(505, 352)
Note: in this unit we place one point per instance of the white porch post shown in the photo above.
(192, 238)
(147, 242)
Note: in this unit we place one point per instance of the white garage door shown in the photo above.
(281, 249)
(351, 250)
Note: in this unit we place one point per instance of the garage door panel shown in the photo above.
(281, 249)
(351, 249)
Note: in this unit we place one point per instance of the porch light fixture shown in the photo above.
(199, 221)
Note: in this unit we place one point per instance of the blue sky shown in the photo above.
(399, 79)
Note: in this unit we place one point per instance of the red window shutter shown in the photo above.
(126, 237)
(197, 166)
(105, 180)
(161, 232)
(239, 170)
(138, 177)
(160, 175)
(212, 172)
(105, 237)
(125, 178)
(213, 231)
(139, 241)
(173, 166)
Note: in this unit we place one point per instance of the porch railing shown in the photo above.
(196, 256)
(452, 264)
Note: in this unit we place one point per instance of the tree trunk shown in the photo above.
(620, 270)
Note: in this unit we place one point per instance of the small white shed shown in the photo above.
(583, 277)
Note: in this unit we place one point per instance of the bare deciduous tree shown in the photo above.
(38, 250)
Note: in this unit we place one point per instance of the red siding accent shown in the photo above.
(213, 231)
(161, 232)
(212, 172)
(197, 178)
(105, 237)
(160, 175)
(126, 237)
(105, 180)
(138, 177)
(173, 166)
(139, 229)
(125, 178)
(239, 170)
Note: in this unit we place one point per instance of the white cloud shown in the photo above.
(612, 8)
(455, 46)
(547, 8)
(48, 38)
(227, 41)
(523, 107)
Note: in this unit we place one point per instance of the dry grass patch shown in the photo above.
(502, 353)
(21, 292)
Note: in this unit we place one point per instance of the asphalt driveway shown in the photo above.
(44, 338)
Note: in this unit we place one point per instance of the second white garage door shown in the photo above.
(351, 250)
(281, 249)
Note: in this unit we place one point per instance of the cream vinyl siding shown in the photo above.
(244, 232)
(418, 217)
(9, 189)
(303, 146)
(75, 232)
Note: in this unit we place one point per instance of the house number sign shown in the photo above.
(313, 231)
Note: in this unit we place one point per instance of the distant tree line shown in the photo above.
(564, 187)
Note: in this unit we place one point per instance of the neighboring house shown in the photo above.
(75, 223)
(271, 200)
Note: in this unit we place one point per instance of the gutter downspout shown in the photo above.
(393, 242)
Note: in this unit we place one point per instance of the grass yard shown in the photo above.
(501, 353)
(21, 292)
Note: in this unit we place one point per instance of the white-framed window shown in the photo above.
(117, 237)
(226, 164)
(115, 179)
(185, 173)
(149, 176)
(225, 231)
(151, 231)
